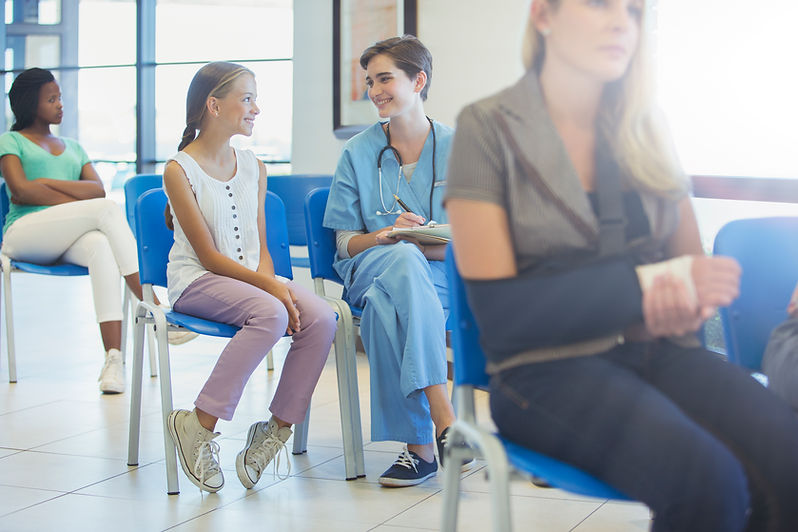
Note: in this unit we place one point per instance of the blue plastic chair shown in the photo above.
(8, 265)
(134, 188)
(292, 189)
(321, 252)
(767, 250)
(499, 453)
(155, 241)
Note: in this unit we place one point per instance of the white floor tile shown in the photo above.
(81, 513)
(13, 498)
(7, 452)
(528, 513)
(59, 472)
(363, 503)
(617, 516)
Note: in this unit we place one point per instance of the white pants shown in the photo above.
(91, 233)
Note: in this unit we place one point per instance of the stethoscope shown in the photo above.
(394, 207)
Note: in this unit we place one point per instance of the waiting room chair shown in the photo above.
(321, 252)
(767, 250)
(155, 241)
(292, 189)
(8, 265)
(134, 188)
(499, 453)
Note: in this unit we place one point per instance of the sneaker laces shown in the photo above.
(405, 460)
(269, 450)
(207, 462)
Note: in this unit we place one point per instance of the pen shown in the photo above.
(402, 204)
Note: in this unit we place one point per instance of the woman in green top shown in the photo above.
(58, 210)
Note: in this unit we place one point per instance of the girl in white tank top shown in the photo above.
(220, 269)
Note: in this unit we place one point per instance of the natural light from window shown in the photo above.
(728, 84)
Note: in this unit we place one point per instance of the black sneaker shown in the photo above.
(408, 470)
(442, 441)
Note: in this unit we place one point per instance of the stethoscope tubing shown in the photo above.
(388, 147)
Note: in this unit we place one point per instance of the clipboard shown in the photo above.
(425, 234)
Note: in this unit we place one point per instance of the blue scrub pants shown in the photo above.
(403, 327)
(695, 438)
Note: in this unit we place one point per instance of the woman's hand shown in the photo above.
(671, 307)
(287, 298)
(668, 309)
(717, 282)
(409, 219)
(406, 219)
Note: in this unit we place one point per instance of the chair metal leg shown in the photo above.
(126, 306)
(355, 400)
(492, 450)
(151, 350)
(270, 362)
(451, 498)
(161, 328)
(5, 263)
(348, 399)
(134, 429)
(301, 435)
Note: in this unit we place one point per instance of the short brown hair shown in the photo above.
(409, 54)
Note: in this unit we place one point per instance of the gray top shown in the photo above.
(507, 151)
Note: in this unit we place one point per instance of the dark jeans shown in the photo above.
(704, 445)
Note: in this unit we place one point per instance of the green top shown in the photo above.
(38, 162)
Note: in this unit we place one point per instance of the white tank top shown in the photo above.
(230, 209)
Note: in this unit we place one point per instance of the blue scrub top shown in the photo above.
(354, 194)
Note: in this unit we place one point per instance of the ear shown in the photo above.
(212, 106)
(421, 81)
(539, 13)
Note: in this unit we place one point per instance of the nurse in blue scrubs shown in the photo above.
(400, 284)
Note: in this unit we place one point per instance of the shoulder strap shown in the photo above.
(612, 218)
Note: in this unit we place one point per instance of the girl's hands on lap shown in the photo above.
(287, 298)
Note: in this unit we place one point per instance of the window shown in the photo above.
(727, 85)
(96, 67)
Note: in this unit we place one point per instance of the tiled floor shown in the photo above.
(63, 449)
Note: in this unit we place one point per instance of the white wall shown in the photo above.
(475, 47)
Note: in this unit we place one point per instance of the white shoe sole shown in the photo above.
(241, 468)
(403, 482)
(194, 480)
(181, 338)
(112, 389)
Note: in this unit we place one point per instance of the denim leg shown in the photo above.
(603, 417)
(759, 429)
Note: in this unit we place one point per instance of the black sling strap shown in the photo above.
(612, 219)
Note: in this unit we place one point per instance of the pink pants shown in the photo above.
(263, 320)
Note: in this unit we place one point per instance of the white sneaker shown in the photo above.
(198, 453)
(112, 376)
(180, 337)
(264, 442)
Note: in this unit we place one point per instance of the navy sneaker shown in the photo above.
(442, 441)
(408, 470)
